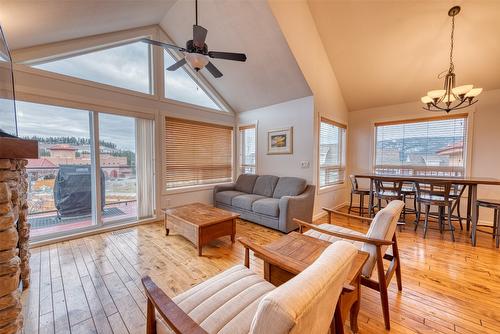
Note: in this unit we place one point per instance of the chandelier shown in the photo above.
(451, 97)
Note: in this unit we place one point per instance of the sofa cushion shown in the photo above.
(245, 183)
(264, 185)
(267, 206)
(289, 186)
(227, 196)
(245, 201)
(226, 303)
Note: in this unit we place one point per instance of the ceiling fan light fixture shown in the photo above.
(451, 97)
(196, 60)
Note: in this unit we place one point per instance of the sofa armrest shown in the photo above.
(300, 207)
(222, 187)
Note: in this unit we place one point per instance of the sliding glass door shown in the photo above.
(60, 187)
(67, 192)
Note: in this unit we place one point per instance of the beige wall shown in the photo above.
(484, 132)
(299, 28)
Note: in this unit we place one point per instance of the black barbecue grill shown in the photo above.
(73, 191)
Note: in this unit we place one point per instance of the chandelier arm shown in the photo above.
(457, 108)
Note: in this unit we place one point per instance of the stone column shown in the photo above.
(14, 230)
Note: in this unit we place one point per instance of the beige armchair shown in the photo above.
(376, 242)
(239, 301)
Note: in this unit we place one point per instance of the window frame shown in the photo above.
(239, 141)
(343, 154)
(468, 116)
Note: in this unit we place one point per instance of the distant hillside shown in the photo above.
(417, 145)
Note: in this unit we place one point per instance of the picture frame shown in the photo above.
(280, 141)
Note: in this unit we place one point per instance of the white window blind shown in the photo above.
(331, 152)
(430, 146)
(248, 150)
(197, 153)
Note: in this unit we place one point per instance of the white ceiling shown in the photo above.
(270, 75)
(388, 52)
(33, 22)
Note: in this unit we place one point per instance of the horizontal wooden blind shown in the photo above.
(197, 153)
(331, 152)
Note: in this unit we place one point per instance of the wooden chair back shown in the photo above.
(433, 189)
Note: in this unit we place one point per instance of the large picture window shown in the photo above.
(332, 138)
(125, 66)
(430, 146)
(180, 86)
(248, 144)
(197, 153)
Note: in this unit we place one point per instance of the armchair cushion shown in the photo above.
(267, 206)
(226, 303)
(264, 185)
(331, 238)
(306, 303)
(227, 196)
(289, 186)
(245, 183)
(245, 201)
(383, 226)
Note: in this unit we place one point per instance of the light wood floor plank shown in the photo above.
(94, 283)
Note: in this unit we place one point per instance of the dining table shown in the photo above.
(471, 182)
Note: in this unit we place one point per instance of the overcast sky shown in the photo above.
(124, 66)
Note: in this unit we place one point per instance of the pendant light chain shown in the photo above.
(196, 11)
(452, 66)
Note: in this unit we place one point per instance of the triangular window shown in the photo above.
(180, 86)
(125, 66)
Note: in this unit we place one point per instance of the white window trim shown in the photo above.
(470, 126)
(238, 146)
(337, 185)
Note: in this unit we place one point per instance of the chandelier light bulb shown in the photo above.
(436, 94)
(426, 99)
(462, 90)
(474, 92)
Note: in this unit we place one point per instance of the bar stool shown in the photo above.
(355, 190)
(388, 191)
(435, 193)
(408, 190)
(492, 204)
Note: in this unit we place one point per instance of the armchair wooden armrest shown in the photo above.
(173, 315)
(372, 241)
(268, 256)
(331, 211)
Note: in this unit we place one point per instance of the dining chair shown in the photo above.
(381, 234)
(356, 190)
(435, 193)
(492, 204)
(240, 301)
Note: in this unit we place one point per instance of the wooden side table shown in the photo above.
(200, 223)
(294, 252)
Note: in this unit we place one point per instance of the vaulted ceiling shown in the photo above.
(270, 75)
(382, 52)
(390, 52)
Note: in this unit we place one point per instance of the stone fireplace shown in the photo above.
(14, 229)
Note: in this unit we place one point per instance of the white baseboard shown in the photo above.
(323, 213)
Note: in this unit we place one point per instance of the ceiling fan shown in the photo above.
(196, 51)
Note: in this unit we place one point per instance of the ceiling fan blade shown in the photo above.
(199, 36)
(178, 64)
(227, 55)
(212, 69)
(163, 45)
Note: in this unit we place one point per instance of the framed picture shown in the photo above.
(280, 141)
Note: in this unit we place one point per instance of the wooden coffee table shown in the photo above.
(294, 252)
(200, 223)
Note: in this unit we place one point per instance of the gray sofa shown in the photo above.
(268, 200)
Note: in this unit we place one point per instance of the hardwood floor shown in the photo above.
(92, 285)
